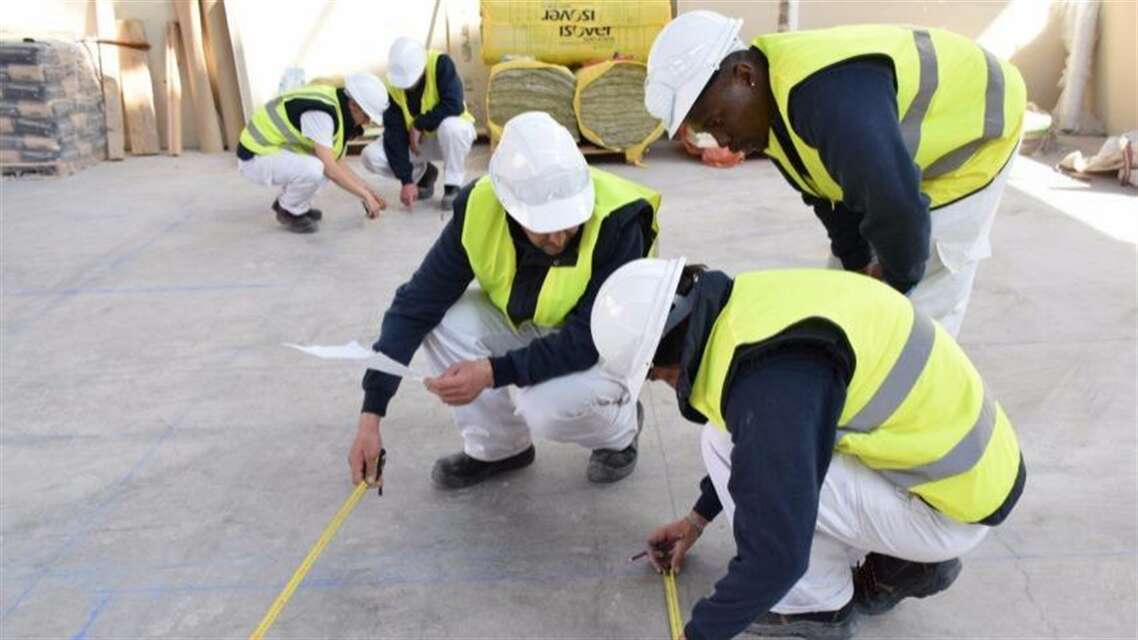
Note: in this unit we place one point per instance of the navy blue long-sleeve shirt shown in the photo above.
(782, 411)
(395, 134)
(445, 274)
(848, 112)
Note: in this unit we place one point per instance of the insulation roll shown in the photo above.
(529, 85)
(609, 103)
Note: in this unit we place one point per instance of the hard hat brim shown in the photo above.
(654, 328)
(555, 215)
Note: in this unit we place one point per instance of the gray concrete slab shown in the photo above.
(166, 464)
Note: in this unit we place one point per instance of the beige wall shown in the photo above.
(1116, 66)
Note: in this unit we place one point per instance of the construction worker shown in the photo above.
(839, 422)
(427, 120)
(297, 141)
(900, 138)
(514, 356)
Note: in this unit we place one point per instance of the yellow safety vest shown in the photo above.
(916, 409)
(430, 94)
(270, 129)
(960, 107)
(493, 257)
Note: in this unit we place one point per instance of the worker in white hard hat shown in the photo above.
(900, 138)
(514, 356)
(842, 426)
(297, 141)
(427, 121)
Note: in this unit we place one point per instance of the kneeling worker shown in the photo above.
(539, 235)
(842, 423)
(427, 120)
(297, 141)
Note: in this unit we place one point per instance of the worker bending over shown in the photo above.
(900, 138)
(297, 141)
(515, 357)
(427, 120)
(840, 422)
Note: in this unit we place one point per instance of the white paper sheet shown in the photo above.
(359, 353)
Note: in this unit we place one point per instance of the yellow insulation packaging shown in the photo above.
(530, 85)
(609, 103)
(571, 31)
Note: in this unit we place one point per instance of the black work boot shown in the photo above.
(426, 184)
(460, 470)
(315, 215)
(821, 625)
(450, 192)
(294, 223)
(610, 465)
(882, 581)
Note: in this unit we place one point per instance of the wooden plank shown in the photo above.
(173, 90)
(109, 70)
(137, 91)
(205, 113)
(222, 71)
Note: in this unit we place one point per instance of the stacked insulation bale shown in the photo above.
(609, 103)
(51, 110)
(530, 85)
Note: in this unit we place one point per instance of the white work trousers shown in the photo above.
(589, 408)
(960, 238)
(859, 511)
(298, 175)
(450, 143)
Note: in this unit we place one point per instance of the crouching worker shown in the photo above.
(842, 426)
(516, 358)
(297, 141)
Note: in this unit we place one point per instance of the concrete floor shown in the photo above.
(167, 464)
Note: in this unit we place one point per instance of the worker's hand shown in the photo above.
(670, 543)
(873, 270)
(408, 194)
(363, 457)
(373, 204)
(462, 382)
(415, 136)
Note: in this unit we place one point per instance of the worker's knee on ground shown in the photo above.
(373, 157)
(456, 129)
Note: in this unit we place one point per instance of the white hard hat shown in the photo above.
(369, 93)
(405, 63)
(540, 176)
(629, 315)
(686, 53)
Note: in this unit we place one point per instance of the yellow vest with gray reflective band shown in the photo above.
(916, 409)
(493, 256)
(270, 130)
(960, 107)
(430, 94)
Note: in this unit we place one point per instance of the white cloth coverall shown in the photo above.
(859, 511)
(450, 144)
(300, 175)
(589, 408)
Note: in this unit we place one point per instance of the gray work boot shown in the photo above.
(882, 581)
(610, 465)
(294, 223)
(460, 470)
(821, 625)
(426, 184)
(450, 193)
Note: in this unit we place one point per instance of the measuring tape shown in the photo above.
(672, 598)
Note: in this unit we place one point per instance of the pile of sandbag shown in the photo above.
(530, 85)
(609, 103)
(51, 112)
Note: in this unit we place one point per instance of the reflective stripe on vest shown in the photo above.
(915, 408)
(430, 96)
(270, 131)
(490, 248)
(960, 108)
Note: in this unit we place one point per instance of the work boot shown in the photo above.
(882, 581)
(821, 625)
(314, 215)
(610, 465)
(426, 184)
(450, 192)
(294, 223)
(460, 470)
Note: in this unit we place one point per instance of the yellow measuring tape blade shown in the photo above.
(672, 596)
(309, 560)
